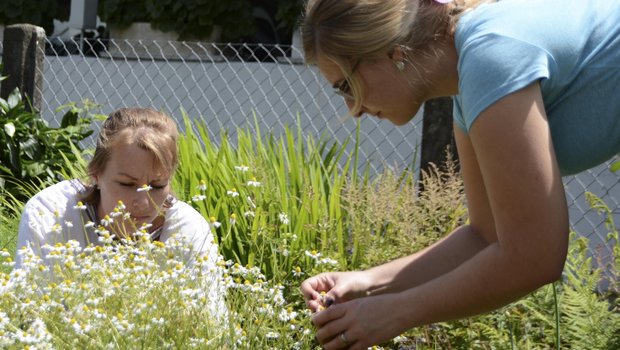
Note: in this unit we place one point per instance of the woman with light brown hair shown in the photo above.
(535, 91)
(128, 192)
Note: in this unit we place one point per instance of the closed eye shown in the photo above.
(343, 89)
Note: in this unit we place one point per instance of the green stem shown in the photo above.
(557, 316)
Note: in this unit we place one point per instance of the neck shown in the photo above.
(444, 75)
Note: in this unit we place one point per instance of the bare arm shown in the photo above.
(517, 205)
(514, 167)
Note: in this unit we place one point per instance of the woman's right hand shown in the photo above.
(328, 288)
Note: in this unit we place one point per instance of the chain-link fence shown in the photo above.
(234, 85)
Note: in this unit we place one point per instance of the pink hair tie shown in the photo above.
(443, 1)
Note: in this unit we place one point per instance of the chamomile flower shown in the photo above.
(120, 205)
(253, 183)
(328, 261)
(283, 218)
(116, 213)
(232, 192)
(89, 224)
(107, 220)
(214, 222)
(242, 168)
(297, 271)
(198, 198)
(313, 254)
(233, 218)
(69, 224)
(248, 213)
(144, 188)
(202, 186)
(80, 206)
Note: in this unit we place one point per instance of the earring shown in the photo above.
(400, 65)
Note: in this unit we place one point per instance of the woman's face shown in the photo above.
(128, 170)
(388, 93)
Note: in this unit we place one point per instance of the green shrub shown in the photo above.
(32, 151)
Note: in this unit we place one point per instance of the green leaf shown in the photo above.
(615, 166)
(9, 129)
(4, 105)
(69, 119)
(14, 98)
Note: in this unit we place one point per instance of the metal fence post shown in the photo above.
(22, 60)
(437, 133)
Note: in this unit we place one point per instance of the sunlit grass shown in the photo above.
(282, 209)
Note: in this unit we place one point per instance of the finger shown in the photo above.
(335, 312)
(314, 305)
(338, 343)
(334, 335)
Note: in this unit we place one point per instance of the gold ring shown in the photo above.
(344, 340)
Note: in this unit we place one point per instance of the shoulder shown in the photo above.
(184, 219)
(183, 211)
(56, 197)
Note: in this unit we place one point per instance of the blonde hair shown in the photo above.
(348, 31)
(151, 130)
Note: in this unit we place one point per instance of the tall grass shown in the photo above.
(278, 200)
(284, 208)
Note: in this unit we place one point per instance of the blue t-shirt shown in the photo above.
(571, 46)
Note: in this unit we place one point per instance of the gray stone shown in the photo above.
(22, 58)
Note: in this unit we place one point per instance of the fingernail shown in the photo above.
(329, 301)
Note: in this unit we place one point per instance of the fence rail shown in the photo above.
(233, 85)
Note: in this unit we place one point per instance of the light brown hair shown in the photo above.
(348, 31)
(151, 130)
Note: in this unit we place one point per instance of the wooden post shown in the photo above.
(437, 133)
(22, 60)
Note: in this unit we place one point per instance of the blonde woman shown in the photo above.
(129, 190)
(535, 91)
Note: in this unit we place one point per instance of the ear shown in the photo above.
(397, 54)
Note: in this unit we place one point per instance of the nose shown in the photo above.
(140, 203)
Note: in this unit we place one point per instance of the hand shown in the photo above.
(328, 288)
(365, 322)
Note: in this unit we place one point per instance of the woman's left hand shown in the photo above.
(360, 323)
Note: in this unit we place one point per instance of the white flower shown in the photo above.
(253, 183)
(328, 261)
(214, 222)
(233, 218)
(283, 218)
(68, 224)
(233, 192)
(120, 205)
(242, 168)
(107, 220)
(144, 188)
(272, 335)
(313, 254)
(202, 186)
(297, 271)
(199, 197)
(248, 213)
(89, 224)
(80, 206)
(56, 228)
